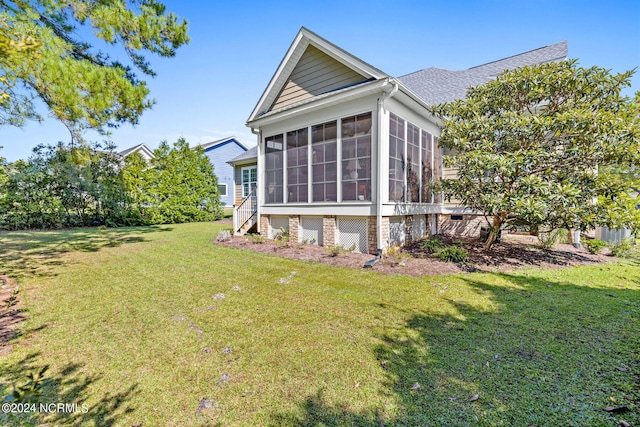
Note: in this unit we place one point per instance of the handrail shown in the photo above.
(245, 210)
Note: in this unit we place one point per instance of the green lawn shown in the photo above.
(127, 321)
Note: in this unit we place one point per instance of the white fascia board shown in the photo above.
(318, 102)
(317, 209)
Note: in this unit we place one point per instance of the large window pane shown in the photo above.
(396, 159)
(356, 157)
(297, 166)
(427, 166)
(437, 167)
(323, 157)
(273, 169)
(413, 163)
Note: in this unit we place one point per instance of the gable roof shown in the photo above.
(247, 157)
(436, 85)
(208, 146)
(140, 147)
(335, 69)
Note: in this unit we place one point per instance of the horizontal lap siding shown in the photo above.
(316, 73)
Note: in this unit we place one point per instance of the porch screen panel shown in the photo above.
(297, 166)
(427, 166)
(437, 167)
(356, 157)
(413, 163)
(396, 158)
(324, 153)
(273, 190)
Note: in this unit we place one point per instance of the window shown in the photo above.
(249, 179)
(297, 165)
(413, 163)
(396, 158)
(456, 217)
(273, 169)
(324, 162)
(437, 167)
(222, 189)
(356, 157)
(427, 169)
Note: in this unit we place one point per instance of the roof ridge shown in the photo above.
(516, 55)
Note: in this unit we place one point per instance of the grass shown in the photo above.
(127, 321)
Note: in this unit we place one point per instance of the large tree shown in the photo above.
(528, 146)
(43, 55)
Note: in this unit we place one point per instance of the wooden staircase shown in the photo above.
(245, 215)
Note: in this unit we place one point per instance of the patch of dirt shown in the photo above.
(513, 252)
(10, 313)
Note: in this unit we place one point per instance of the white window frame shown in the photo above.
(242, 181)
(226, 189)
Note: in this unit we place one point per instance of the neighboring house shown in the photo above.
(219, 152)
(144, 151)
(346, 153)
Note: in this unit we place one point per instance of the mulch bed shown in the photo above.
(512, 253)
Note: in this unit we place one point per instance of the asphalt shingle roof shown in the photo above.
(437, 85)
(250, 154)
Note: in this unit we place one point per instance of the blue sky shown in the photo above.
(209, 89)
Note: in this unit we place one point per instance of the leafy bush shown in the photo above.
(256, 238)
(282, 236)
(548, 239)
(623, 248)
(454, 254)
(595, 246)
(432, 245)
(335, 250)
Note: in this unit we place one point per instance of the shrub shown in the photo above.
(256, 238)
(396, 255)
(224, 236)
(549, 239)
(335, 250)
(595, 246)
(432, 245)
(454, 254)
(623, 248)
(282, 236)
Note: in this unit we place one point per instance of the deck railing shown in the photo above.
(245, 211)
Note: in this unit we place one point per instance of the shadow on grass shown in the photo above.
(547, 353)
(68, 385)
(37, 253)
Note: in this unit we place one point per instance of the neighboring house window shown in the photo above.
(413, 163)
(427, 169)
(249, 179)
(273, 169)
(297, 165)
(356, 157)
(396, 158)
(222, 189)
(324, 162)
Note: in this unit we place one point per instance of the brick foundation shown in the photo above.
(329, 231)
(294, 228)
(264, 226)
(469, 226)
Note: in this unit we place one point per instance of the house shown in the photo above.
(142, 149)
(219, 152)
(346, 153)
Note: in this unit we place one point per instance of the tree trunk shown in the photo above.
(494, 231)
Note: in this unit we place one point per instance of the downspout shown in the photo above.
(386, 95)
(258, 171)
